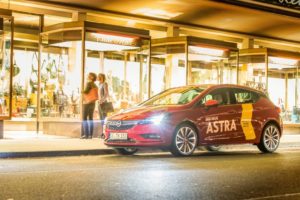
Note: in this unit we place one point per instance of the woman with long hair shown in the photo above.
(90, 96)
(103, 98)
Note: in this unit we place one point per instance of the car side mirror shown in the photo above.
(211, 103)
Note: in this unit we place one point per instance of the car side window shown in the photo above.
(221, 95)
(245, 96)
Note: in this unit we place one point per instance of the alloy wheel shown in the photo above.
(271, 138)
(186, 140)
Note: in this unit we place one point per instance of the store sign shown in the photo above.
(294, 4)
(290, 2)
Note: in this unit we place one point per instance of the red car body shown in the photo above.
(230, 122)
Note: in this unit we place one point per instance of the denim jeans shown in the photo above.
(102, 116)
(88, 124)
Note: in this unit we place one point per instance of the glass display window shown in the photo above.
(178, 61)
(6, 67)
(60, 75)
(168, 64)
(26, 62)
(282, 88)
(253, 69)
(212, 62)
(123, 58)
(275, 72)
(71, 50)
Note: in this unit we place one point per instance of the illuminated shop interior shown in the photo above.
(275, 72)
(72, 50)
(178, 61)
(5, 66)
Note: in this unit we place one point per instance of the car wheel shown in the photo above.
(269, 140)
(213, 147)
(126, 151)
(185, 141)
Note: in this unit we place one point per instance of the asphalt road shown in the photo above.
(243, 174)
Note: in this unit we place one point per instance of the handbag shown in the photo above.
(92, 96)
(107, 107)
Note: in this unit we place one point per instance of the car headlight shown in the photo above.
(156, 119)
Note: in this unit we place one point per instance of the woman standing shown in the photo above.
(103, 97)
(90, 96)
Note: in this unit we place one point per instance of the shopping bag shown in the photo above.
(107, 107)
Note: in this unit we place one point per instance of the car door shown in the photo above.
(218, 124)
(246, 99)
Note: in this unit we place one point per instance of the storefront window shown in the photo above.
(212, 65)
(280, 82)
(282, 76)
(60, 71)
(124, 60)
(5, 67)
(25, 81)
(168, 67)
(252, 71)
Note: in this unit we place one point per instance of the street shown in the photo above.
(230, 174)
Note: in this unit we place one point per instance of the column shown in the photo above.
(172, 31)
(248, 43)
(78, 16)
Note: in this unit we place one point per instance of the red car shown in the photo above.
(183, 118)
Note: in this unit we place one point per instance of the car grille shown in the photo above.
(120, 125)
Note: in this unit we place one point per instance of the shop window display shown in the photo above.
(5, 68)
(177, 61)
(168, 67)
(212, 65)
(25, 84)
(275, 73)
(253, 71)
(25, 63)
(124, 60)
(60, 76)
(282, 86)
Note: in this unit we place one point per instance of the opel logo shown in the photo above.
(115, 123)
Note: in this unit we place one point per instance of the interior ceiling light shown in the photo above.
(97, 46)
(158, 13)
(206, 51)
(205, 58)
(114, 39)
(283, 61)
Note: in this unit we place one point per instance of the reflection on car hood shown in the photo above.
(142, 112)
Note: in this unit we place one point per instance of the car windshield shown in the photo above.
(175, 96)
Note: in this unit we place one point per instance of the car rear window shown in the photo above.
(245, 96)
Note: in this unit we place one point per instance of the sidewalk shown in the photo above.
(29, 144)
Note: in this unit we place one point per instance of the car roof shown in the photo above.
(216, 86)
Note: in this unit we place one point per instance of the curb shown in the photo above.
(56, 153)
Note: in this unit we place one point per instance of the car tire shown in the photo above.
(270, 139)
(126, 151)
(185, 141)
(213, 148)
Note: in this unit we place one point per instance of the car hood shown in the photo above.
(142, 112)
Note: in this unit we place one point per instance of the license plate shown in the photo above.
(118, 136)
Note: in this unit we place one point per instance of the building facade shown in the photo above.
(47, 50)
